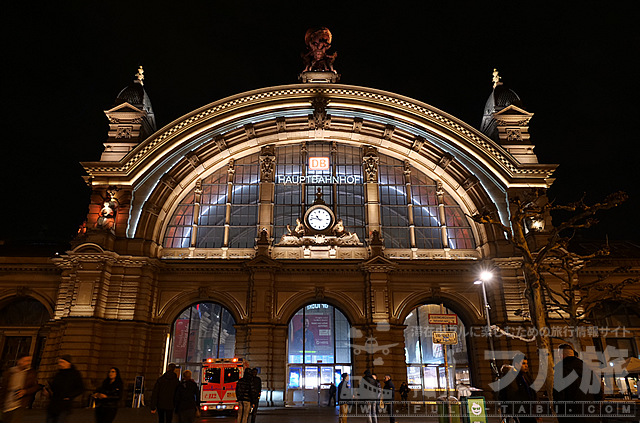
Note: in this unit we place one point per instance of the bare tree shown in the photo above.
(526, 209)
(576, 299)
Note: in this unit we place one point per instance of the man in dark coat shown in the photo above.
(257, 391)
(332, 395)
(516, 390)
(345, 395)
(187, 399)
(389, 396)
(62, 389)
(163, 395)
(574, 381)
(19, 385)
(244, 395)
(368, 391)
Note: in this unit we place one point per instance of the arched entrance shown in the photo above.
(425, 359)
(201, 331)
(21, 329)
(318, 353)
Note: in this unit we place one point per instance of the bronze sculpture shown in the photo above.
(318, 41)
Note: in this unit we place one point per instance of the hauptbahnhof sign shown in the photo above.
(318, 163)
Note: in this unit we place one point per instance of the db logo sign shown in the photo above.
(318, 163)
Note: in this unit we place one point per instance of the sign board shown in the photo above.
(443, 319)
(447, 338)
(318, 163)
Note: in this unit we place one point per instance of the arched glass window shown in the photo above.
(425, 360)
(204, 330)
(318, 353)
(438, 221)
(346, 199)
(211, 211)
(24, 312)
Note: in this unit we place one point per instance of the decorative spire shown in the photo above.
(140, 76)
(496, 78)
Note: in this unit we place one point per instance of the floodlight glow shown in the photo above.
(477, 283)
(486, 276)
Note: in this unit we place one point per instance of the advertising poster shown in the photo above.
(313, 335)
(180, 338)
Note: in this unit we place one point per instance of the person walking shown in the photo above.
(257, 392)
(107, 397)
(62, 389)
(187, 399)
(332, 395)
(517, 392)
(574, 381)
(244, 396)
(345, 395)
(367, 391)
(404, 394)
(163, 395)
(19, 386)
(389, 394)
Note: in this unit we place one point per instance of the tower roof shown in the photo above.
(501, 97)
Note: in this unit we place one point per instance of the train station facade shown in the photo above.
(311, 229)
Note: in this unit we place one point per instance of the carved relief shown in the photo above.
(445, 160)
(221, 143)
(319, 292)
(470, 182)
(514, 134)
(193, 159)
(249, 131)
(267, 168)
(203, 292)
(418, 143)
(370, 163)
(388, 132)
(198, 190)
(281, 124)
(23, 291)
(124, 132)
(169, 181)
(357, 125)
(320, 117)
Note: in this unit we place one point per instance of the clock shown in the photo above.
(319, 218)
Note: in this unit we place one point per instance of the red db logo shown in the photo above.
(318, 163)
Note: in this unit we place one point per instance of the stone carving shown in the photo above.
(281, 124)
(107, 215)
(23, 291)
(418, 142)
(388, 132)
(370, 164)
(250, 131)
(318, 41)
(357, 125)
(193, 159)
(298, 231)
(470, 182)
(203, 292)
(124, 132)
(140, 75)
(514, 134)
(169, 181)
(221, 143)
(407, 169)
(320, 118)
(319, 292)
(267, 167)
(198, 190)
(445, 160)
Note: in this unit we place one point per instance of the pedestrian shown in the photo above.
(62, 389)
(368, 393)
(107, 397)
(244, 396)
(516, 390)
(404, 394)
(19, 386)
(345, 396)
(574, 381)
(187, 399)
(163, 394)
(332, 395)
(376, 408)
(257, 391)
(389, 396)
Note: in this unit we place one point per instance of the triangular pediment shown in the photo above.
(512, 110)
(124, 108)
(379, 263)
(262, 262)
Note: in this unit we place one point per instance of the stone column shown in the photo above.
(267, 189)
(371, 193)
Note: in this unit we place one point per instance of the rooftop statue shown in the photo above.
(318, 41)
(496, 78)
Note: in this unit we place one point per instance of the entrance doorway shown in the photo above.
(318, 354)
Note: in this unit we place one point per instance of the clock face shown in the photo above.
(319, 219)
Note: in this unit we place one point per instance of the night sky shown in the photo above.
(574, 65)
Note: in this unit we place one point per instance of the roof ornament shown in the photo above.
(318, 65)
(140, 76)
(496, 78)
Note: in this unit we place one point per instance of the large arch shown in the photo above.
(162, 167)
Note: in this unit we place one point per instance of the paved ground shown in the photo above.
(265, 415)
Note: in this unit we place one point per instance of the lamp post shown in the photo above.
(484, 277)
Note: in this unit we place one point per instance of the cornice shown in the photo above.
(298, 96)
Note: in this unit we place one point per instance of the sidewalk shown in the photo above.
(311, 414)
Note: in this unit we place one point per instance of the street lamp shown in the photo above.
(486, 276)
